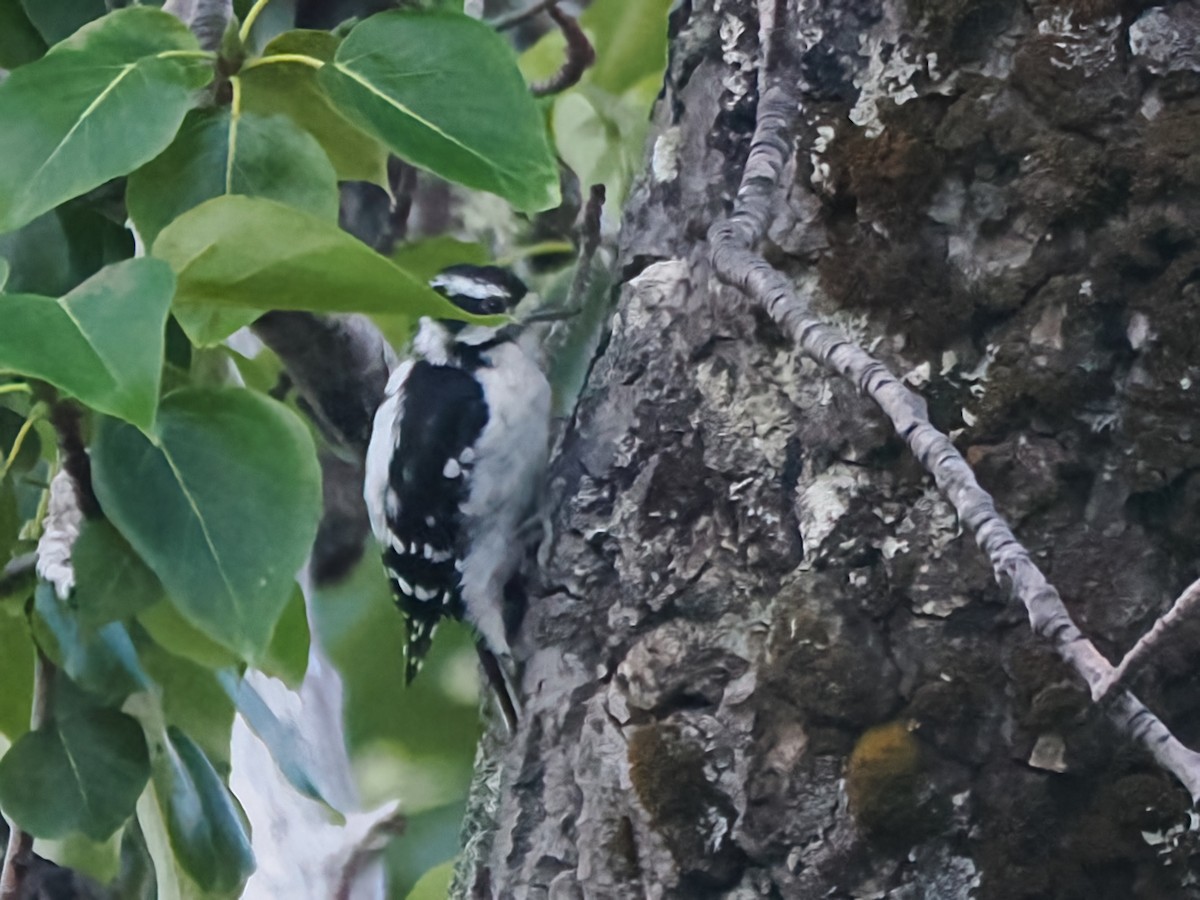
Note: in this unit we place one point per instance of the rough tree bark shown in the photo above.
(762, 658)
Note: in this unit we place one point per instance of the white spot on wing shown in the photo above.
(405, 587)
(424, 593)
(452, 469)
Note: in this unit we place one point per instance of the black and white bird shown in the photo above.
(454, 466)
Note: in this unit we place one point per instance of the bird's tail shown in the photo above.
(502, 685)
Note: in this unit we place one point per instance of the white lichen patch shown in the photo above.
(919, 375)
(1167, 38)
(941, 607)
(1048, 330)
(891, 70)
(823, 502)
(1138, 332)
(664, 161)
(934, 516)
(742, 66)
(1049, 754)
(1088, 46)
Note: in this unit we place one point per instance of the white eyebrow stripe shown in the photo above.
(472, 288)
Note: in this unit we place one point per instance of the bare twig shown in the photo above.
(1181, 608)
(580, 56)
(738, 265)
(589, 242)
(18, 574)
(339, 364)
(18, 857)
(66, 416)
(207, 19)
(513, 19)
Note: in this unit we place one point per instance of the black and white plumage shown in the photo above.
(453, 468)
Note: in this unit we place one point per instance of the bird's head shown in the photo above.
(480, 290)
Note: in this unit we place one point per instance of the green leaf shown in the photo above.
(96, 106)
(4, 269)
(82, 773)
(175, 634)
(58, 18)
(20, 42)
(434, 884)
(104, 662)
(443, 91)
(288, 748)
(28, 456)
(205, 826)
(235, 254)
(287, 654)
(191, 698)
(10, 517)
(291, 89)
(630, 40)
(111, 581)
(57, 251)
(216, 153)
(16, 674)
(221, 502)
(103, 342)
(424, 259)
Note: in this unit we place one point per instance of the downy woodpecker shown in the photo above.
(454, 465)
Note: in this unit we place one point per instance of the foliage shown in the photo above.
(227, 165)
(600, 126)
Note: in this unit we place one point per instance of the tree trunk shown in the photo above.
(762, 656)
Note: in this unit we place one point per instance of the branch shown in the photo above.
(512, 20)
(66, 416)
(208, 19)
(737, 265)
(589, 242)
(340, 366)
(1180, 609)
(580, 56)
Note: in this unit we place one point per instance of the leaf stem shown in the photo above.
(186, 54)
(34, 414)
(244, 31)
(277, 58)
(235, 117)
(17, 387)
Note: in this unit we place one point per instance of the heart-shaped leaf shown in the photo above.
(291, 88)
(235, 254)
(217, 153)
(102, 342)
(96, 106)
(60, 249)
(443, 91)
(221, 501)
(82, 772)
